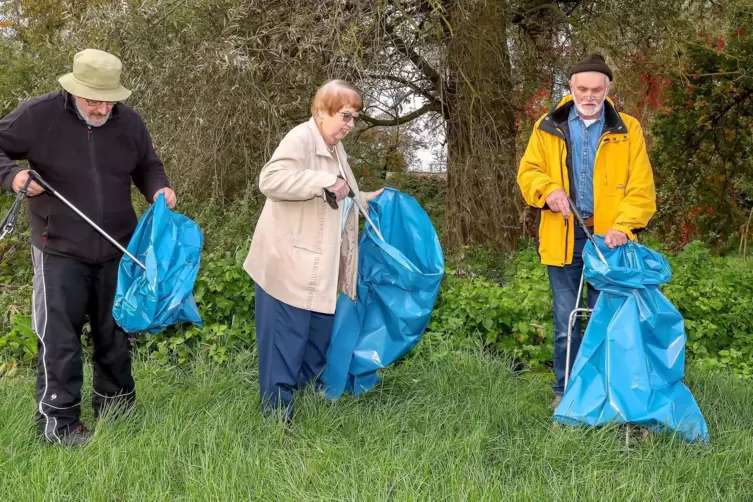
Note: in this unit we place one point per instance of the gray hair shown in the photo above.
(609, 80)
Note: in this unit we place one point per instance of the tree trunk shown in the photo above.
(483, 204)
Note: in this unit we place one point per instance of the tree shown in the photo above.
(468, 64)
(704, 136)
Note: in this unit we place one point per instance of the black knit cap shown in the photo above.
(594, 62)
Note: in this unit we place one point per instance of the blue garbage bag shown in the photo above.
(398, 284)
(632, 359)
(169, 245)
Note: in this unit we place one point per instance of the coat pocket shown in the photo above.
(616, 172)
(307, 246)
(552, 236)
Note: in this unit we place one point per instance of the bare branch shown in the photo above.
(407, 83)
(427, 69)
(374, 122)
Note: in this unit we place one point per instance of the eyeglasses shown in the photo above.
(98, 103)
(347, 117)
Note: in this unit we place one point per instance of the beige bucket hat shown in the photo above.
(95, 76)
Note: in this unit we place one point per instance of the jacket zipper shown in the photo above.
(97, 189)
(567, 221)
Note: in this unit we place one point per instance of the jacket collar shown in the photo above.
(70, 105)
(321, 146)
(556, 119)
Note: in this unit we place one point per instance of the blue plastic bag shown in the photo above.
(398, 283)
(169, 245)
(632, 359)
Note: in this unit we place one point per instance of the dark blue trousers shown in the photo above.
(564, 282)
(292, 345)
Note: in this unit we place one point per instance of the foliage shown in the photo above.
(715, 297)
(225, 295)
(219, 82)
(514, 318)
(704, 139)
(15, 273)
(483, 304)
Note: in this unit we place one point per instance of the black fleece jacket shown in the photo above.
(92, 167)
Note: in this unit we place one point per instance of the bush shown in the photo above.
(511, 316)
(514, 318)
(715, 296)
(225, 295)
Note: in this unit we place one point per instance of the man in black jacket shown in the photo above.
(89, 147)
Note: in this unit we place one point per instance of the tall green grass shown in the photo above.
(462, 428)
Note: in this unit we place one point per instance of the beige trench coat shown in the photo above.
(298, 253)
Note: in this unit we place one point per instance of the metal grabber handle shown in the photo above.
(52, 191)
(332, 201)
(578, 310)
(582, 225)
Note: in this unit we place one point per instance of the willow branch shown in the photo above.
(375, 122)
(418, 89)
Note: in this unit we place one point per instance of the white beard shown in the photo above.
(584, 113)
(91, 122)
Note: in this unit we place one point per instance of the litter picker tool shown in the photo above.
(332, 200)
(12, 217)
(9, 223)
(578, 311)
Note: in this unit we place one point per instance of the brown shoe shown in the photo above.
(555, 402)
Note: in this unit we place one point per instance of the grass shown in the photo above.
(462, 428)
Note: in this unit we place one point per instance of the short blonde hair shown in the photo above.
(334, 95)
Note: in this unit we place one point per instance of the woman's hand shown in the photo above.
(340, 189)
(373, 195)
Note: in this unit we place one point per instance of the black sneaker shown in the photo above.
(78, 437)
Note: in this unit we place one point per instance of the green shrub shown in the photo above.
(510, 315)
(514, 318)
(225, 295)
(715, 297)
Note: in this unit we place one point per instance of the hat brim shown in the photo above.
(76, 88)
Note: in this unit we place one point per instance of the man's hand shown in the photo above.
(615, 238)
(557, 202)
(340, 189)
(170, 198)
(20, 180)
(373, 195)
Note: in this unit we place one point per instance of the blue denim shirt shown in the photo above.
(584, 141)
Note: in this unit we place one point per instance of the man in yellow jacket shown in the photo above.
(584, 149)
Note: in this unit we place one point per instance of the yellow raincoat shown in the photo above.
(624, 194)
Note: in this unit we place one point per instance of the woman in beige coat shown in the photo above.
(304, 249)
